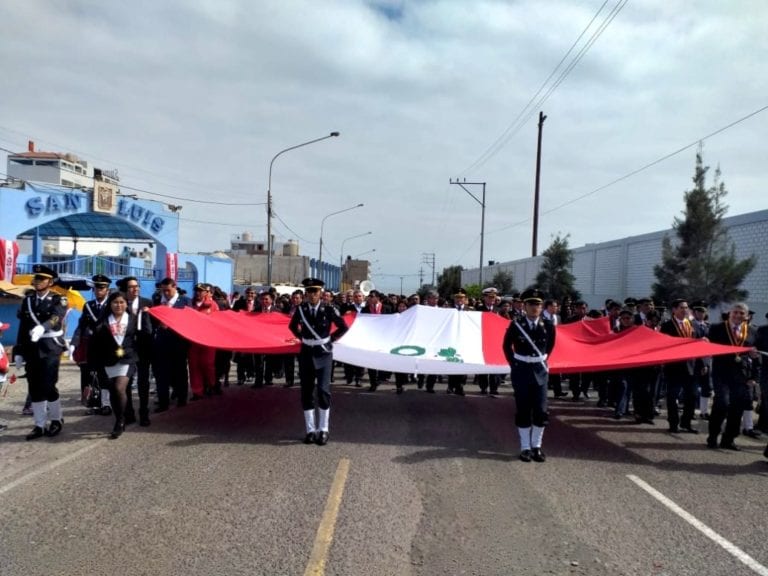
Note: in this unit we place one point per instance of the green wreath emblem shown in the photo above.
(409, 350)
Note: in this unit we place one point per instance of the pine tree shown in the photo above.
(449, 282)
(555, 278)
(503, 281)
(701, 263)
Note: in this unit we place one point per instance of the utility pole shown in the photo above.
(534, 249)
(464, 185)
(421, 276)
(428, 258)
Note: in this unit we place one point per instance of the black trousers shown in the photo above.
(42, 377)
(681, 386)
(491, 381)
(315, 374)
(529, 381)
(728, 407)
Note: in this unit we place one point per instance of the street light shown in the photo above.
(269, 199)
(322, 225)
(364, 253)
(341, 252)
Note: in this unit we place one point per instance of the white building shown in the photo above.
(56, 168)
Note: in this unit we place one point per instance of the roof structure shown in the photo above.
(90, 225)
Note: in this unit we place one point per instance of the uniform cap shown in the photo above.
(630, 301)
(490, 290)
(532, 295)
(312, 283)
(626, 312)
(460, 292)
(101, 280)
(699, 306)
(44, 271)
(645, 300)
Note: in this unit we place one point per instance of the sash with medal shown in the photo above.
(737, 337)
(118, 329)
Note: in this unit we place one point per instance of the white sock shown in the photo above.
(536, 435)
(746, 420)
(309, 420)
(55, 409)
(40, 413)
(324, 417)
(703, 404)
(105, 398)
(525, 438)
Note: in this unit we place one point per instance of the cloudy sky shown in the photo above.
(194, 98)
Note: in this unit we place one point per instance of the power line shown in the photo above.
(641, 169)
(529, 109)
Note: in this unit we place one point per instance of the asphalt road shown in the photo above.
(433, 487)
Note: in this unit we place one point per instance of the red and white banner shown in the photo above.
(9, 252)
(172, 265)
(424, 340)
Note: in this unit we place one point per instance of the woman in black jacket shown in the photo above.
(113, 347)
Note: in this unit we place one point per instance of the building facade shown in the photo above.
(622, 268)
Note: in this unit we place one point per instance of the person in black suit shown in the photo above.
(311, 323)
(528, 342)
(39, 343)
(169, 351)
(489, 304)
(246, 365)
(354, 305)
(761, 343)
(679, 375)
(732, 376)
(139, 307)
(114, 349)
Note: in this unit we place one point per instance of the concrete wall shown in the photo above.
(622, 268)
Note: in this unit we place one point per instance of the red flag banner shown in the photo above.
(172, 265)
(440, 341)
(9, 252)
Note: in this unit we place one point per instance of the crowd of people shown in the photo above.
(121, 349)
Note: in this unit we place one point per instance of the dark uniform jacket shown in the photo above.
(49, 313)
(674, 370)
(326, 317)
(103, 349)
(543, 336)
(733, 369)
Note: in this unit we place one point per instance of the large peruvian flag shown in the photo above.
(425, 340)
(9, 252)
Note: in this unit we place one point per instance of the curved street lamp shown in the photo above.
(269, 199)
(341, 252)
(364, 253)
(322, 225)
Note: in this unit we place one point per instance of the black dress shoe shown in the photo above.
(195, 397)
(752, 433)
(765, 452)
(399, 390)
(730, 446)
(525, 455)
(105, 410)
(118, 430)
(673, 430)
(144, 421)
(160, 409)
(129, 419)
(55, 428)
(538, 455)
(711, 442)
(309, 438)
(688, 430)
(36, 433)
(322, 438)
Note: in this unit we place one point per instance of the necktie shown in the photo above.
(312, 313)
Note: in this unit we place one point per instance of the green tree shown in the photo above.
(503, 281)
(555, 278)
(449, 282)
(701, 263)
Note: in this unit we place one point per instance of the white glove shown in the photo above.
(19, 361)
(72, 353)
(36, 332)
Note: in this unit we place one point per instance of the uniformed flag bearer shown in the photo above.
(40, 343)
(528, 342)
(311, 323)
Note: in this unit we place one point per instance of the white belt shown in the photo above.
(52, 334)
(531, 359)
(315, 341)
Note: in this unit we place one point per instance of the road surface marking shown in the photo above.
(701, 527)
(319, 556)
(50, 466)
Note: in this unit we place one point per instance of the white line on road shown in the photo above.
(701, 527)
(50, 466)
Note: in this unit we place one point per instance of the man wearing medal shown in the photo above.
(679, 375)
(732, 376)
(40, 343)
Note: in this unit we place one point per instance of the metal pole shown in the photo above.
(534, 248)
(270, 240)
(322, 225)
(482, 237)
